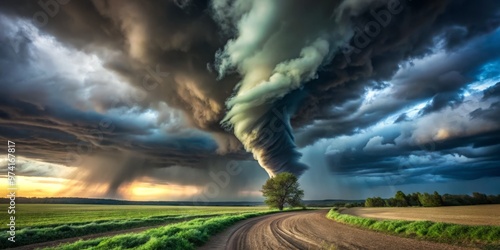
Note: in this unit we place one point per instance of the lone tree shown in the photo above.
(282, 189)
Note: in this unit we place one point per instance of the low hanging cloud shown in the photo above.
(187, 84)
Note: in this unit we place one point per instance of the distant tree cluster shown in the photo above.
(351, 204)
(400, 199)
(375, 202)
(475, 199)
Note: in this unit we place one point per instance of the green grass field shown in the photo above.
(180, 236)
(37, 223)
(37, 215)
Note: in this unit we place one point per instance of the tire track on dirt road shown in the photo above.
(309, 230)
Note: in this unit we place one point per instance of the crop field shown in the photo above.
(185, 235)
(36, 215)
(482, 236)
(466, 215)
(36, 223)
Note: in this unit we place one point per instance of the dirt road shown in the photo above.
(309, 230)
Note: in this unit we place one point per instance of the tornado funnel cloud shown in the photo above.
(269, 73)
(272, 144)
(252, 109)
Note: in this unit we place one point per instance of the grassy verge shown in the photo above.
(184, 235)
(485, 236)
(28, 236)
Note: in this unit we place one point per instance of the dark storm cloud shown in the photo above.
(176, 43)
(208, 59)
(435, 78)
(442, 100)
(402, 117)
(493, 111)
(461, 158)
(146, 35)
(110, 150)
(53, 131)
(492, 91)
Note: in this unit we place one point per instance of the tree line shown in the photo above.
(418, 199)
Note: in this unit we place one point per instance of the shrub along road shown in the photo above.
(309, 230)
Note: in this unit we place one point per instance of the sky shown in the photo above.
(205, 100)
